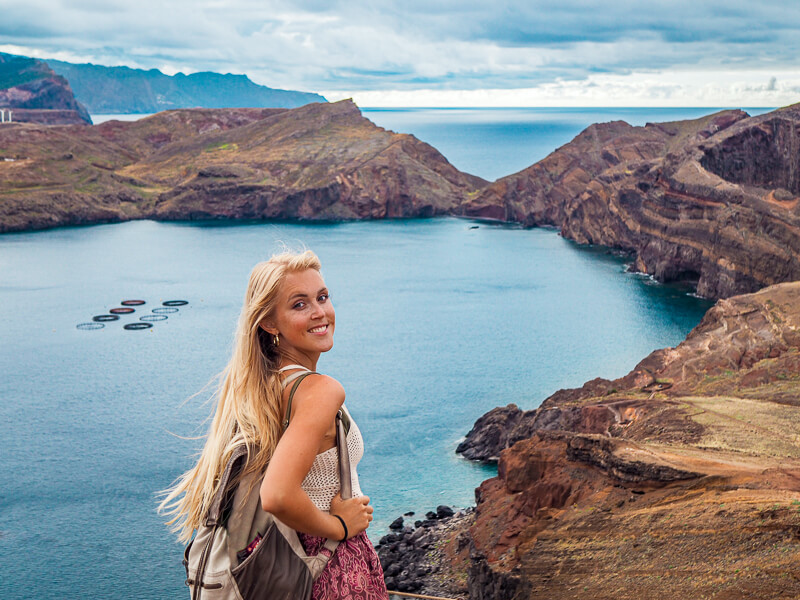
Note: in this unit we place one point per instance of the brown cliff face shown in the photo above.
(36, 94)
(317, 162)
(713, 201)
(680, 479)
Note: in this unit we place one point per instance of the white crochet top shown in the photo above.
(322, 481)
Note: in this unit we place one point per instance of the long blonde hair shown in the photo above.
(248, 399)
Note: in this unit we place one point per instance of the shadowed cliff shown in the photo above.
(713, 201)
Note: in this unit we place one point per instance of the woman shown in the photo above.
(287, 321)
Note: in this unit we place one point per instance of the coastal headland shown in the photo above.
(681, 478)
(713, 201)
(318, 162)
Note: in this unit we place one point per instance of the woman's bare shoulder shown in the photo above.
(321, 390)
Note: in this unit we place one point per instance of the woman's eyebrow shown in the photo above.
(304, 295)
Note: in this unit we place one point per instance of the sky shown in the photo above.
(712, 53)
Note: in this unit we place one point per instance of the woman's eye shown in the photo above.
(323, 297)
(299, 304)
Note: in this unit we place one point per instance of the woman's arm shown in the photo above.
(314, 408)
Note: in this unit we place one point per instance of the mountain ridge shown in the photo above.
(124, 90)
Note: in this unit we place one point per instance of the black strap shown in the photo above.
(291, 395)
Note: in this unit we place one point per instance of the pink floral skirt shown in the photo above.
(353, 573)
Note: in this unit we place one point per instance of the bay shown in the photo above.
(437, 322)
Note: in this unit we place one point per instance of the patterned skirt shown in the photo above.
(353, 573)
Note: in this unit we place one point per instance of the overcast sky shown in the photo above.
(445, 52)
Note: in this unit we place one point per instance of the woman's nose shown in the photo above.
(316, 310)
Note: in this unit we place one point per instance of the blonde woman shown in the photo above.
(286, 323)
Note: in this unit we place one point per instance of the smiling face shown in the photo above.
(303, 317)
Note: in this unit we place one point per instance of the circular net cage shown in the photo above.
(148, 318)
(138, 326)
(121, 311)
(163, 311)
(91, 325)
(175, 302)
(132, 302)
(105, 318)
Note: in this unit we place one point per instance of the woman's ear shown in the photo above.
(269, 327)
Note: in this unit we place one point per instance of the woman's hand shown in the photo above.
(356, 512)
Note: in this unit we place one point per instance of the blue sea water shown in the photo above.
(437, 322)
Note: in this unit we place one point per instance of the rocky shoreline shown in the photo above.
(681, 478)
(430, 556)
(319, 162)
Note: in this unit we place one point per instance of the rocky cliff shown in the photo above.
(713, 201)
(317, 162)
(36, 94)
(681, 479)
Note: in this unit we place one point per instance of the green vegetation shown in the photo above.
(17, 70)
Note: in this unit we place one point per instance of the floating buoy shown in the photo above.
(105, 318)
(121, 311)
(90, 325)
(154, 318)
(132, 302)
(161, 311)
(138, 326)
(175, 302)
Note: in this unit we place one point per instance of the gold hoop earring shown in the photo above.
(276, 339)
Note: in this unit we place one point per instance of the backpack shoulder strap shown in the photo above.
(299, 377)
(235, 463)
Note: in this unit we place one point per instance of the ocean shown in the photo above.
(438, 321)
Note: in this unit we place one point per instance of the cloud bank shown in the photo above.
(576, 52)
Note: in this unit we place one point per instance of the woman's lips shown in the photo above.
(319, 330)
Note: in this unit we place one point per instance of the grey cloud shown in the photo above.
(384, 44)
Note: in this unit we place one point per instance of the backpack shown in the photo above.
(218, 564)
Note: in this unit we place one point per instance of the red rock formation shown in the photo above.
(317, 162)
(681, 478)
(713, 200)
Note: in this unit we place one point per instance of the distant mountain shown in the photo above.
(120, 90)
(36, 93)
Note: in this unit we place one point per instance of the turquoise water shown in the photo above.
(436, 323)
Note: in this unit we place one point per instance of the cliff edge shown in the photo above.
(713, 201)
(680, 479)
(317, 162)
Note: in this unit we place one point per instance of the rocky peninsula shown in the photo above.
(317, 162)
(680, 479)
(713, 201)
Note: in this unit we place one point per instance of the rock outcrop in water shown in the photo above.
(713, 201)
(681, 479)
(36, 94)
(317, 162)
